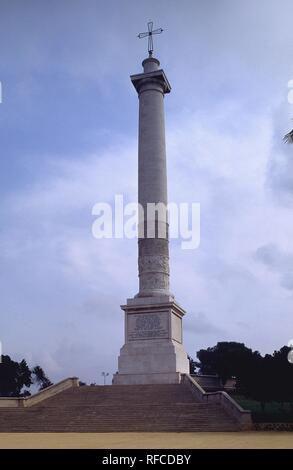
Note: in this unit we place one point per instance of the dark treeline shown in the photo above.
(263, 378)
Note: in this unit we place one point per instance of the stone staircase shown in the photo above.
(119, 408)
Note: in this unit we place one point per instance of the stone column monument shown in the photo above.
(153, 351)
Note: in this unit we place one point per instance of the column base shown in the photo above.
(153, 351)
(144, 379)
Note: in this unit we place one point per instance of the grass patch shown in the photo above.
(274, 412)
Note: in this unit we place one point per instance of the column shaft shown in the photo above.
(153, 246)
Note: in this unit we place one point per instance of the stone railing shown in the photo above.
(243, 417)
(8, 402)
(40, 396)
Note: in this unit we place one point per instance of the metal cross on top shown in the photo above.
(149, 34)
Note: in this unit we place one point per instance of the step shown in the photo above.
(119, 408)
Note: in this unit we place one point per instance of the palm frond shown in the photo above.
(288, 138)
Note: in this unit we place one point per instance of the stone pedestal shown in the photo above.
(153, 350)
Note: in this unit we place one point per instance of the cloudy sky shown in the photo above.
(69, 139)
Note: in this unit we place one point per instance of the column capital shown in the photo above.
(158, 76)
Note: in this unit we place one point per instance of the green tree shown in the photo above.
(288, 138)
(193, 365)
(282, 376)
(40, 378)
(13, 377)
(16, 378)
(226, 359)
(255, 380)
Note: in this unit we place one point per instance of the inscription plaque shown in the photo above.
(147, 326)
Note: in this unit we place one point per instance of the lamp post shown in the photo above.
(105, 374)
